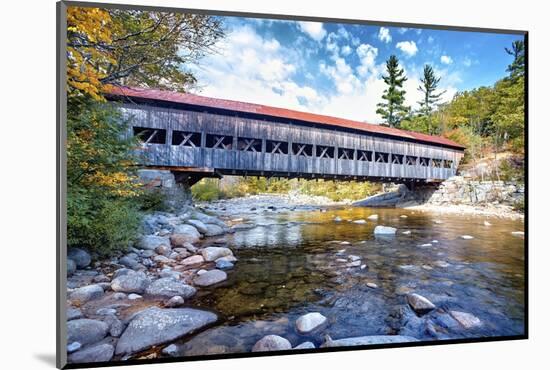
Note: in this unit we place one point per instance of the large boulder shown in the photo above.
(169, 287)
(98, 353)
(86, 331)
(271, 343)
(156, 326)
(86, 293)
(210, 278)
(130, 282)
(214, 230)
(80, 257)
(152, 241)
(213, 253)
(310, 322)
(366, 340)
(71, 266)
(419, 303)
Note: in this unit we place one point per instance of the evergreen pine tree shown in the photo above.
(517, 68)
(428, 87)
(393, 110)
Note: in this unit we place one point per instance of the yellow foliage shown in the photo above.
(88, 37)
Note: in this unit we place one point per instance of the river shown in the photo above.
(295, 260)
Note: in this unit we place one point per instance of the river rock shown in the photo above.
(116, 326)
(223, 264)
(175, 301)
(337, 219)
(180, 240)
(131, 282)
(359, 221)
(305, 345)
(129, 262)
(150, 242)
(86, 293)
(373, 217)
(372, 285)
(467, 237)
(86, 331)
(161, 259)
(210, 278)
(121, 272)
(214, 230)
(419, 303)
(518, 233)
(80, 257)
(168, 273)
(406, 232)
(384, 230)
(71, 266)
(157, 326)
(193, 260)
(191, 232)
(310, 322)
(171, 350)
(230, 258)
(213, 253)
(164, 249)
(271, 343)
(366, 340)
(467, 320)
(74, 313)
(197, 224)
(168, 287)
(105, 311)
(134, 296)
(98, 353)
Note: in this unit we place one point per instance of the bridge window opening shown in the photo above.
(219, 142)
(410, 160)
(424, 162)
(304, 150)
(149, 135)
(249, 145)
(325, 152)
(364, 155)
(182, 138)
(344, 153)
(447, 163)
(396, 159)
(382, 157)
(276, 147)
(437, 162)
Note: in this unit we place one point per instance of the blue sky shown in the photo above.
(336, 69)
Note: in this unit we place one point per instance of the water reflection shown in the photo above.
(297, 262)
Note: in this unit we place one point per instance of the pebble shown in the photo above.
(134, 296)
(407, 232)
(372, 285)
(171, 350)
(467, 237)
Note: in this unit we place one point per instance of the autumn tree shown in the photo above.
(393, 109)
(112, 47)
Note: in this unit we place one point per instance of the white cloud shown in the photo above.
(257, 68)
(407, 47)
(346, 50)
(314, 29)
(384, 35)
(445, 59)
(367, 55)
(430, 39)
(467, 62)
(402, 30)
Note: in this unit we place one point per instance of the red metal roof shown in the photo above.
(192, 99)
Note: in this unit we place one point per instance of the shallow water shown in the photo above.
(294, 262)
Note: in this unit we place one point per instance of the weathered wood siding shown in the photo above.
(389, 158)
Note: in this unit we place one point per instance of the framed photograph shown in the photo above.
(238, 185)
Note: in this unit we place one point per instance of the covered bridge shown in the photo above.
(197, 136)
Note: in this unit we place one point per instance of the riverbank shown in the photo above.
(487, 210)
